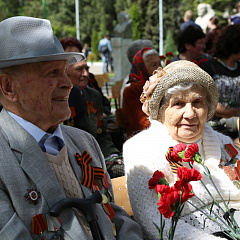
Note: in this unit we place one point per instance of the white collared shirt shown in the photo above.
(38, 133)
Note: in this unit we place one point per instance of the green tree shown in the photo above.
(136, 22)
(169, 44)
(9, 8)
(100, 17)
(94, 44)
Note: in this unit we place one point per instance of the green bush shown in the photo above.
(91, 57)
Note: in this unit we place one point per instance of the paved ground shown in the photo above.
(95, 67)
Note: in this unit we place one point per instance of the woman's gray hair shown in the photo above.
(181, 87)
(149, 53)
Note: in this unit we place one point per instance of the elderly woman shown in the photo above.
(179, 99)
(144, 63)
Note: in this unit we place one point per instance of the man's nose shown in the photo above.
(66, 82)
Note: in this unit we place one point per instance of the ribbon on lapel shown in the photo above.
(90, 107)
(173, 164)
(228, 154)
(233, 172)
(89, 172)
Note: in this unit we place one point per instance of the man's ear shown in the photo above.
(7, 89)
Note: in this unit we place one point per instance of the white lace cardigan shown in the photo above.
(145, 152)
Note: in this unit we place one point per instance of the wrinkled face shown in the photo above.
(198, 49)
(152, 63)
(78, 74)
(42, 91)
(186, 115)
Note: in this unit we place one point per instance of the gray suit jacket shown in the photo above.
(23, 166)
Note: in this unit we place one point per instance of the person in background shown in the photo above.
(178, 99)
(42, 161)
(225, 70)
(214, 31)
(188, 20)
(191, 45)
(79, 111)
(132, 49)
(105, 49)
(144, 63)
(97, 124)
(235, 19)
(85, 50)
(72, 44)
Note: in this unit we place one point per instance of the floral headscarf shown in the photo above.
(139, 71)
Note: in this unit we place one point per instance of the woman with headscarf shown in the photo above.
(144, 63)
(178, 99)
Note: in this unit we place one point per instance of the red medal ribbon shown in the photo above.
(231, 150)
(89, 172)
(39, 224)
(233, 173)
(73, 113)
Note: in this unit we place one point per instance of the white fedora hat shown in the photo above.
(28, 40)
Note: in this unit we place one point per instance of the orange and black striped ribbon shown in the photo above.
(89, 172)
(173, 164)
(39, 224)
(90, 107)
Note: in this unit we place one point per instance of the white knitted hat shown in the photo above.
(175, 73)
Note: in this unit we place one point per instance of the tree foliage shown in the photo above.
(136, 22)
(98, 17)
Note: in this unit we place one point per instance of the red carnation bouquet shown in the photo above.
(172, 198)
(166, 59)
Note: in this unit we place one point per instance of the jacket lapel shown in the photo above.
(32, 159)
(35, 165)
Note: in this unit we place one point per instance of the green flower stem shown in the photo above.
(210, 177)
(225, 205)
(233, 221)
(207, 188)
(162, 227)
(232, 230)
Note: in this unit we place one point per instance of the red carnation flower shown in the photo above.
(178, 149)
(188, 175)
(168, 202)
(169, 54)
(190, 152)
(156, 178)
(168, 61)
(161, 188)
(186, 190)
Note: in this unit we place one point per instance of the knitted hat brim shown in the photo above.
(183, 71)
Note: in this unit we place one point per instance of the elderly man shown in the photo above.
(97, 125)
(42, 161)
